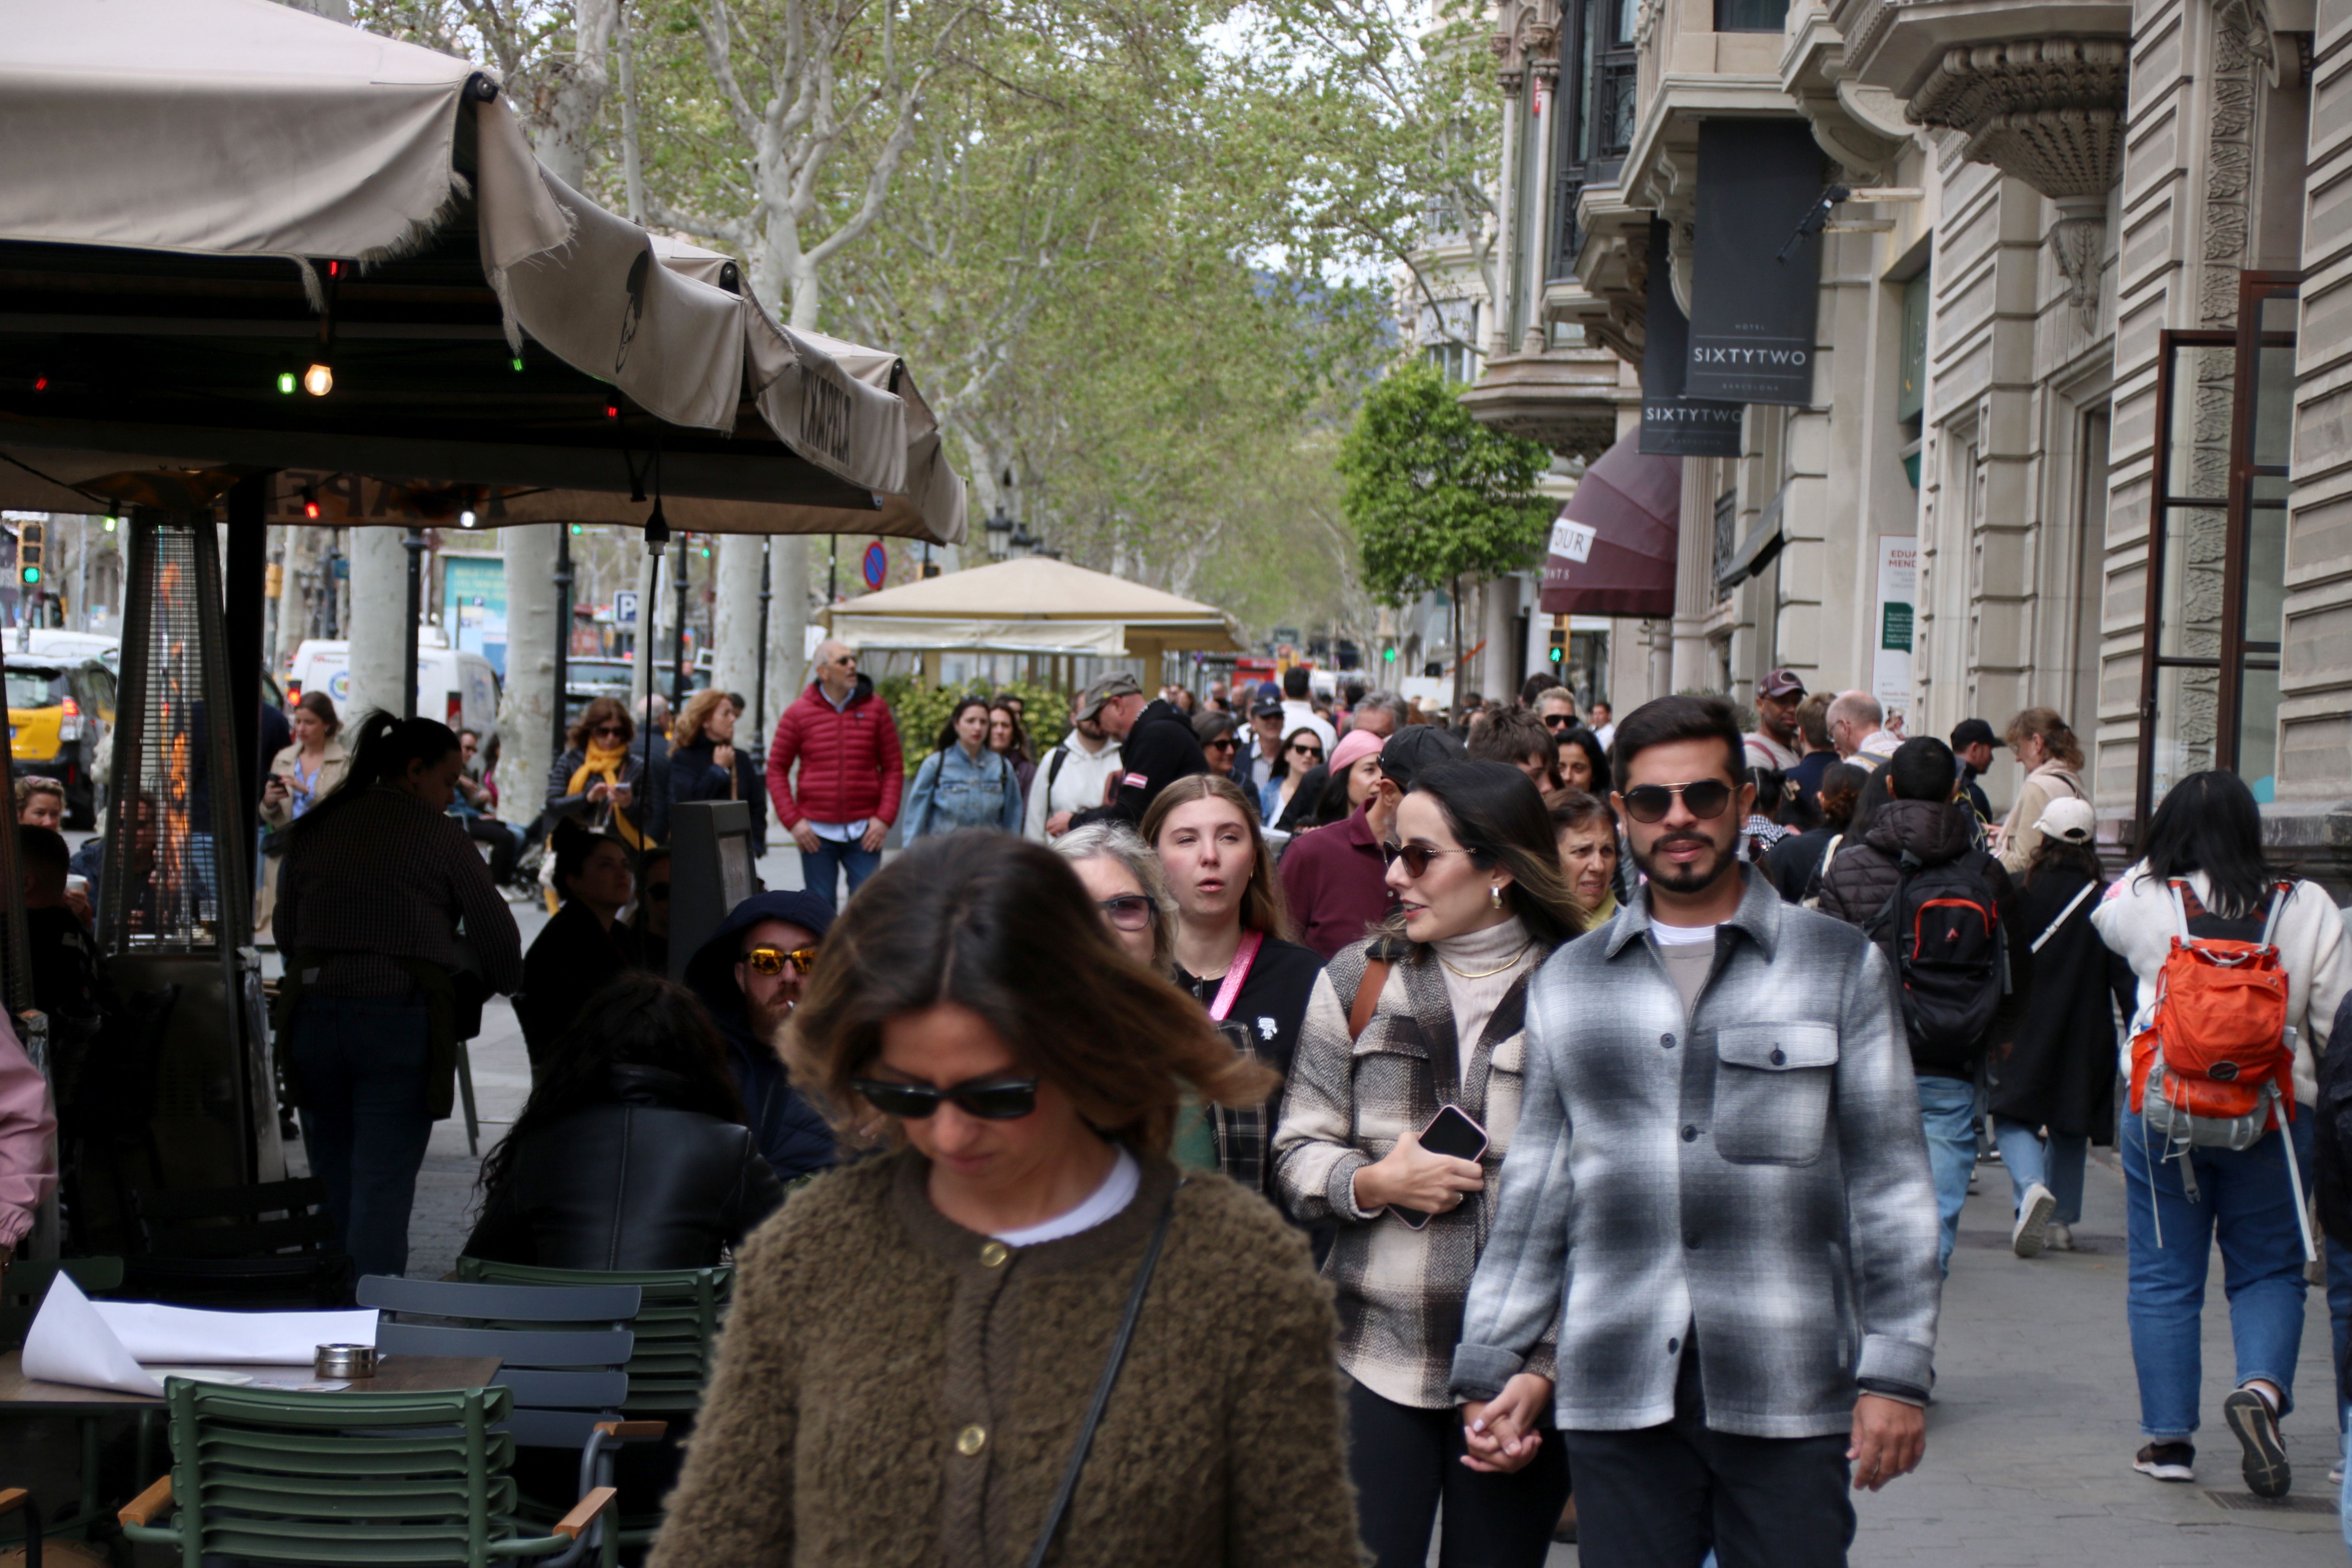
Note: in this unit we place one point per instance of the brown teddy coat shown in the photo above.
(893, 1389)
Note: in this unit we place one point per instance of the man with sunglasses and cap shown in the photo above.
(1157, 747)
(1717, 1195)
(749, 974)
(1972, 744)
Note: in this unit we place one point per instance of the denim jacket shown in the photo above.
(952, 791)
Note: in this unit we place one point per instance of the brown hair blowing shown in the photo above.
(1003, 927)
(1263, 908)
(2045, 725)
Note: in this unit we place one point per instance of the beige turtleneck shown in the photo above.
(1479, 953)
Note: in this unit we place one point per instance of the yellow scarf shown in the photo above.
(605, 762)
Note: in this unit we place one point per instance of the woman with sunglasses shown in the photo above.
(597, 781)
(1302, 752)
(1123, 876)
(962, 784)
(1428, 1014)
(1233, 953)
(913, 1359)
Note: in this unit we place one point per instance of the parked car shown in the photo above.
(452, 685)
(60, 718)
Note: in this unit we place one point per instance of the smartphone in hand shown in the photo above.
(1453, 1133)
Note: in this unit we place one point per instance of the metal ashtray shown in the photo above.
(346, 1361)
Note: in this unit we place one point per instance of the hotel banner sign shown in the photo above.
(1755, 282)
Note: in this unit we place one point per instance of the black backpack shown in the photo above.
(1950, 955)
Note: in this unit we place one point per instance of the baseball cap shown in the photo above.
(1108, 688)
(1416, 747)
(1266, 707)
(1780, 683)
(2067, 818)
(1973, 732)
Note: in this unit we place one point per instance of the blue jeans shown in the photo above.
(2245, 1199)
(833, 860)
(2058, 1166)
(2339, 1312)
(1947, 1113)
(360, 1064)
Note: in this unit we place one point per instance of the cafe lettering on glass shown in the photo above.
(1674, 426)
(1755, 281)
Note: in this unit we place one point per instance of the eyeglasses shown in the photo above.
(1128, 912)
(1315, 752)
(1650, 803)
(771, 960)
(990, 1098)
(1559, 720)
(1416, 856)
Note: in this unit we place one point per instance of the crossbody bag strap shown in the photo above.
(2072, 905)
(1102, 1390)
(1367, 999)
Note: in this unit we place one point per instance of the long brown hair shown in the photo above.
(1263, 908)
(2045, 725)
(601, 711)
(690, 719)
(1496, 814)
(1005, 928)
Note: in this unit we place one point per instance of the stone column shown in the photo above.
(379, 590)
(1498, 327)
(735, 616)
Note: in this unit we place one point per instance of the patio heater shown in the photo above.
(198, 1107)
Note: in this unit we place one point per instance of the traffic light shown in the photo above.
(31, 539)
(1388, 656)
(1559, 639)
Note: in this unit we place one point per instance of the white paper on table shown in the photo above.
(100, 1345)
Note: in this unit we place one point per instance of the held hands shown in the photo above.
(1410, 1177)
(1501, 1432)
(1889, 1439)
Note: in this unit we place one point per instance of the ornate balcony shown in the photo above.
(1566, 398)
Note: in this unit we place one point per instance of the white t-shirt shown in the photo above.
(1118, 1191)
(1688, 952)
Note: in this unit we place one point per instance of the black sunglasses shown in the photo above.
(990, 1098)
(1314, 752)
(1222, 743)
(1128, 912)
(1416, 856)
(1650, 803)
(1559, 720)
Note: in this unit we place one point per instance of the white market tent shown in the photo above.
(1032, 606)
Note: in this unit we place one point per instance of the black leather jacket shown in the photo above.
(639, 1183)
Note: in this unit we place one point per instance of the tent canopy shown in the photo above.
(1037, 604)
(207, 196)
(1612, 551)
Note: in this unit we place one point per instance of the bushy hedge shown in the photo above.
(921, 710)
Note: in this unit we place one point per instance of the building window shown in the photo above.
(1594, 127)
(1750, 15)
(1911, 378)
(2216, 584)
(1727, 533)
(1446, 332)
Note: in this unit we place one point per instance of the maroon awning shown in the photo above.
(1612, 550)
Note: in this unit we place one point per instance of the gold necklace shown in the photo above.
(1488, 973)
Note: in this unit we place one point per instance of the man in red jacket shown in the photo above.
(852, 773)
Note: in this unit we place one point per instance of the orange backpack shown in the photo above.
(2215, 1066)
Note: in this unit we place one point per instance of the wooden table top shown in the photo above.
(394, 1374)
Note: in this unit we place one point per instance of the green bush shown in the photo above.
(922, 709)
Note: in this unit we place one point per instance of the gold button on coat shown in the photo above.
(994, 1254)
(972, 1440)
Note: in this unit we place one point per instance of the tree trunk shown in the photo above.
(527, 707)
(788, 607)
(379, 605)
(735, 617)
(293, 608)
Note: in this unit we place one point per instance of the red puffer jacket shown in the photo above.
(851, 768)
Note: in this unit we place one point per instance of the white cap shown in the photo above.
(2067, 818)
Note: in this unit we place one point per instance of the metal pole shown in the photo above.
(414, 546)
(677, 636)
(760, 689)
(562, 627)
(248, 565)
(832, 569)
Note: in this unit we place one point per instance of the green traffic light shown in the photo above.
(517, 364)
(32, 576)
(1555, 656)
(1388, 655)
(577, 530)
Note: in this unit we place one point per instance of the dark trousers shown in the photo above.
(359, 1062)
(1405, 1460)
(1663, 1496)
(503, 845)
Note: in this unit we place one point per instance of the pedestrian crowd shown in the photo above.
(1284, 1128)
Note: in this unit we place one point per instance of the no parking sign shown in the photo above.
(876, 564)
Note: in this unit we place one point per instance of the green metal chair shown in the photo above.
(278, 1476)
(676, 1325)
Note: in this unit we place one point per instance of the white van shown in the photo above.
(458, 687)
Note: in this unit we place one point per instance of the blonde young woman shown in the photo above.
(300, 776)
(2053, 760)
(1429, 1012)
(918, 1339)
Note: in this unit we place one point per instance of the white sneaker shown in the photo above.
(2033, 1229)
(2059, 1239)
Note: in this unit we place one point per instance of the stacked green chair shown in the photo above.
(279, 1476)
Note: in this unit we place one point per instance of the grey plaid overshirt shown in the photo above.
(1757, 1171)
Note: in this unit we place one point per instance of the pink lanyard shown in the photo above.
(1230, 992)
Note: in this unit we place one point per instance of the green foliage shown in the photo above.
(1433, 494)
(922, 711)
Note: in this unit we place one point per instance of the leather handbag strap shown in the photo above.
(1118, 1358)
(1367, 999)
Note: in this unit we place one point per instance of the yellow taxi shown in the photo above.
(60, 711)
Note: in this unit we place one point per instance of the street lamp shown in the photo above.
(1000, 529)
(1022, 544)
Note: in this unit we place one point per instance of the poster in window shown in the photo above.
(1674, 426)
(1755, 280)
(1898, 578)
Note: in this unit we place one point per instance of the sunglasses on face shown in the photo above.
(771, 960)
(1128, 912)
(1706, 798)
(1559, 720)
(989, 1098)
(1222, 743)
(1416, 856)
(1312, 752)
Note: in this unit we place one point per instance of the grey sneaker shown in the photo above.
(2250, 1418)
(2167, 1461)
(2032, 1227)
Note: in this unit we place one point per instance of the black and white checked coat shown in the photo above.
(1400, 1291)
(1756, 1170)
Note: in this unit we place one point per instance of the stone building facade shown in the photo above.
(2080, 430)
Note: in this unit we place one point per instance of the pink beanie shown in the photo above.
(1353, 748)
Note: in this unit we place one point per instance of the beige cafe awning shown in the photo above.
(1037, 604)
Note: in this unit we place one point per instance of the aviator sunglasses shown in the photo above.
(1650, 803)
(771, 960)
(989, 1098)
